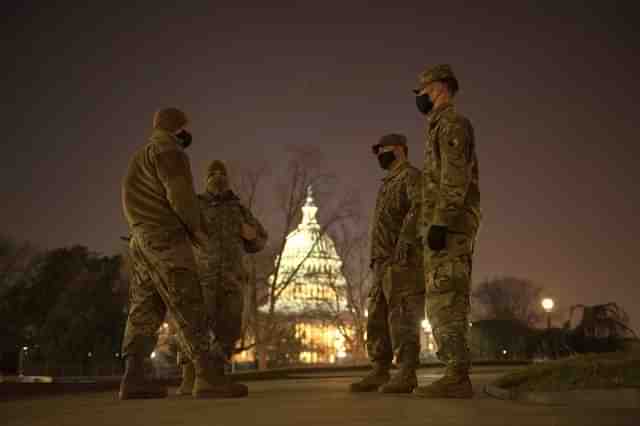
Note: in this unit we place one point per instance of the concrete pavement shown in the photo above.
(308, 402)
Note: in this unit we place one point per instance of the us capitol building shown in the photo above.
(318, 286)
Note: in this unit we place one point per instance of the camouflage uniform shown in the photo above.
(162, 211)
(396, 300)
(451, 198)
(222, 273)
(221, 266)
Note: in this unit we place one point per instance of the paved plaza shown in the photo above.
(307, 401)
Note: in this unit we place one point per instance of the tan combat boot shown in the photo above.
(377, 377)
(135, 385)
(188, 379)
(211, 382)
(404, 381)
(454, 384)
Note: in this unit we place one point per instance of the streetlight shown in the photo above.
(21, 360)
(547, 305)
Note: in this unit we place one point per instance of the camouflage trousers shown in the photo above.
(224, 304)
(396, 309)
(163, 280)
(448, 285)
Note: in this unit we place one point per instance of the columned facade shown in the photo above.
(315, 293)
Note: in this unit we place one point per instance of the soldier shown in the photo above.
(233, 231)
(396, 300)
(161, 209)
(451, 217)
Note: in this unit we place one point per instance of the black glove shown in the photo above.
(437, 237)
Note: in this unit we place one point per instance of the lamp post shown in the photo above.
(21, 360)
(547, 305)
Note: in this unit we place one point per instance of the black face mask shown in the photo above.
(386, 158)
(424, 104)
(184, 138)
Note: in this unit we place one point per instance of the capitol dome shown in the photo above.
(310, 255)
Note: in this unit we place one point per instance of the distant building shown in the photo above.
(316, 293)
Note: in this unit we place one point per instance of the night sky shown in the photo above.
(551, 90)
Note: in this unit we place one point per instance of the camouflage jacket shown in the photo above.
(397, 212)
(157, 190)
(222, 261)
(451, 194)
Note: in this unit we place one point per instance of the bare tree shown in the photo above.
(346, 309)
(269, 278)
(508, 298)
(18, 264)
(15, 259)
(248, 182)
(608, 320)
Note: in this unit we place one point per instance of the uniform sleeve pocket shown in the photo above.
(157, 240)
(450, 276)
(162, 240)
(440, 280)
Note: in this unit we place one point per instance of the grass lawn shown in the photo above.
(590, 371)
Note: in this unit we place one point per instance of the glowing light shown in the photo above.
(366, 313)
(341, 354)
(504, 352)
(426, 325)
(547, 304)
(310, 262)
(165, 325)
(431, 347)
(25, 348)
(153, 354)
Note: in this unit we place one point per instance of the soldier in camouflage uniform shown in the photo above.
(233, 231)
(162, 211)
(451, 218)
(396, 300)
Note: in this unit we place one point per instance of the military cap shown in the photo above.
(442, 72)
(169, 119)
(216, 165)
(390, 140)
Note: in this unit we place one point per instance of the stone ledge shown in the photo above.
(602, 398)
